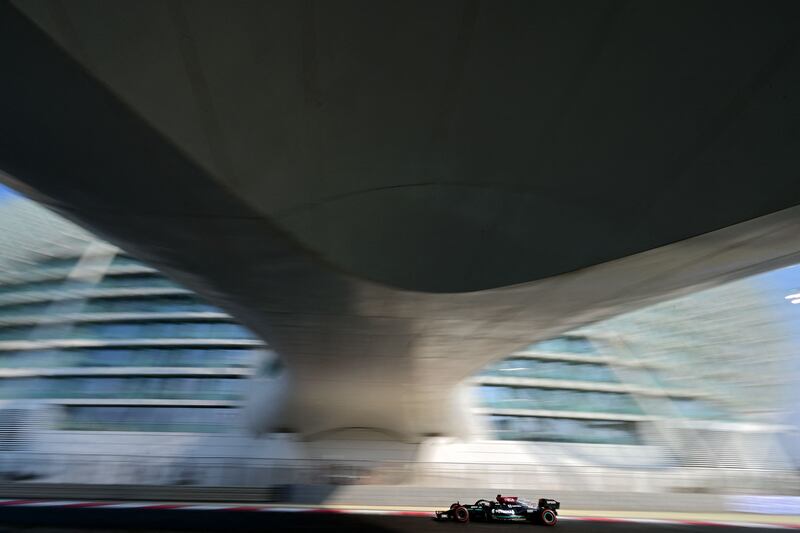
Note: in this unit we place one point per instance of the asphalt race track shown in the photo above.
(86, 519)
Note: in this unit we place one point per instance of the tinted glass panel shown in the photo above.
(178, 419)
(128, 330)
(149, 357)
(184, 388)
(578, 345)
(557, 399)
(138, 280)
(564, 430)
(532, 368)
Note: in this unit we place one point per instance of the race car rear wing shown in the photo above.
(550, 504)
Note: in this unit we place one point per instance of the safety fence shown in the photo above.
(97, 469)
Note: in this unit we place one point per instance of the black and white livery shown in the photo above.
(504, 509)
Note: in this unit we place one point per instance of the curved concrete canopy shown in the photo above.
(305, 167)
(462, 145)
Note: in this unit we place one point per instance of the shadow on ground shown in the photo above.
(117, 520)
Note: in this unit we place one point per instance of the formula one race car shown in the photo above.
(505, 509)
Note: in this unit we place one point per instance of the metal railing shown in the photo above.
(94, 469)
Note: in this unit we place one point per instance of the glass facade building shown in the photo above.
(575, 388)
(720, 361)
(103, 342)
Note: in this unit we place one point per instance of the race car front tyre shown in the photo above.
(548, 517)
(461, 515)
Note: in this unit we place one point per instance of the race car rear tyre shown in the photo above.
(461, 515)
(548, 517)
